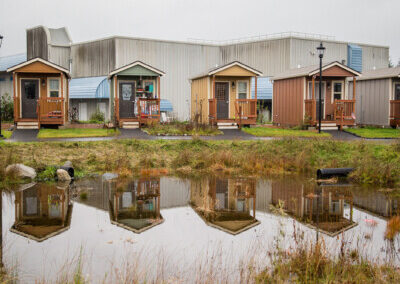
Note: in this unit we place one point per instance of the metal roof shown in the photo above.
(89, 88)
(11, 60)
(264, 88)
(310, 71)
(166, 105)
(380, 74)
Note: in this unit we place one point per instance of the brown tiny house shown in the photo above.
(296, 96)
(222, 95)
(135, 94)
(40, 93)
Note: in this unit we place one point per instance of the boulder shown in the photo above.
(20, 171)
(63, 175)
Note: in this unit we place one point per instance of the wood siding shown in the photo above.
(199, 99)
(372, 97)
(235, 71)
(288, 101)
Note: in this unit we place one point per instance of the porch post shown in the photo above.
(215, 101)
(16, 110)
(116, 107)
(313, 87)
(158, 88)
(354, 93)
(255, 88)
(62, 96)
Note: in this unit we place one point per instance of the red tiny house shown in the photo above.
(40, 93)
(296, 96)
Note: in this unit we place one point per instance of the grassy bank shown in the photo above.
(181, 128)
(374, 164)
(7, 134)
(76, 133)
(372, 132)
(281, 132)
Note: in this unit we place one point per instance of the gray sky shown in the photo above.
(365, 21)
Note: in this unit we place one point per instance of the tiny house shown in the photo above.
(296, 96)
(40, 93)
(222, 95)
(135, 94)
(378, 97)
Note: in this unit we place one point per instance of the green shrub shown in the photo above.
(7, 108)
(97, 116)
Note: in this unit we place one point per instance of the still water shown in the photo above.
(170, 228)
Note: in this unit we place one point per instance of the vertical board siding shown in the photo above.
(59, 55)
(374, 57)
(288, 100)
(372, 101)
(200, 99)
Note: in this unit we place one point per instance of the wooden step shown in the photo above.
(27, 125)
(130, 124)
(227, 125)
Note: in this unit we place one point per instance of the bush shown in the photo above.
(7, 108)
(97, 116)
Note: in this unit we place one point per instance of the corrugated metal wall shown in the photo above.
(270, 56)
(6, 85)
(372, 101)
(303, 52)
(374, 57)
(180, 61)
(174, 193)
(92, 105)
(36, 43)
(96, 58)
(59, 55)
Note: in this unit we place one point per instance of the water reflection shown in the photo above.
(318, 206)
(226, 204)
(135, 205)
(42, 210)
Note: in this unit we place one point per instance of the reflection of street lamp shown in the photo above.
(321, 50)
(1, 135)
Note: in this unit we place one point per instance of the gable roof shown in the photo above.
(217, 69)
(136, 63)
(380, 74)
(38, 59)
(312, 70)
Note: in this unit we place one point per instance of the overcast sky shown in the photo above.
(365, 21)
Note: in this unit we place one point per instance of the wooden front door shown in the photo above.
(222, 96)
(127, 98)
(29, 97)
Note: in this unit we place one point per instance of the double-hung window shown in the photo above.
(337, 91)
(242, 90)
(53, 88)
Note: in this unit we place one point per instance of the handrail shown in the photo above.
(148, 109)
(344, 110)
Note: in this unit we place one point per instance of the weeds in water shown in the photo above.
(392, 228)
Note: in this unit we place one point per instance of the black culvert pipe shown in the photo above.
(333, 172)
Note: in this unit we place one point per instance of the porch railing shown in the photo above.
(149, 109)
(245, 109)
(50, 109)
(212, 108)
(310, 111)
(344, 110)
(395, 109)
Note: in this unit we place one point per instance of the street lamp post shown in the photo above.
(321, 50)
(1, 135)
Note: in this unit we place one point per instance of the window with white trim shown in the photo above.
(337, 91)
(316, 90)
(242, 90)
(53, 88)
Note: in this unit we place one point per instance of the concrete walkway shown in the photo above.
(228, 134)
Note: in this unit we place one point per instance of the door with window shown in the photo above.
(29, 97)
(397, 92)
(222, 97)
(127, 97)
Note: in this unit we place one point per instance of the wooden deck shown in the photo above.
(245, 112)
(148, 112)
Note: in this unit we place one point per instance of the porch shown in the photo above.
(144, 112)
(394, 113)
(245, 112)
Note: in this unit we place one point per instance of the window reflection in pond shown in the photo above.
(226, 204)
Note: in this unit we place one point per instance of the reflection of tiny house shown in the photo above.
(222, 95)
(378, 97)
(42, 211)
(40, 93)
(135, 94)
(296, 96)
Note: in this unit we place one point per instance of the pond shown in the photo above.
(169, 228)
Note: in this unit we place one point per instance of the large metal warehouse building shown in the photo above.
(183, 60)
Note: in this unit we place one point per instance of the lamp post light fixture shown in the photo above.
(321, 50)
(1, 135)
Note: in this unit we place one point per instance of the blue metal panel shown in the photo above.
(12, 60)
(264, 88)
(354, 57)
(89, 88)
(165, 105)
